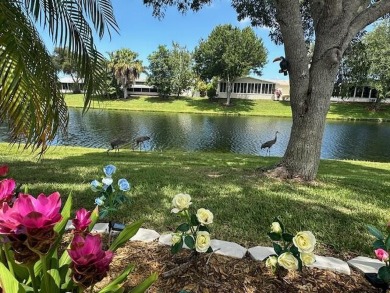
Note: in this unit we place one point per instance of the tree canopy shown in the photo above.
(30, 98)
(229, 53)
(170, 70)
(126, 68)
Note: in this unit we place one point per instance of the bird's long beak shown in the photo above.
(277, 59)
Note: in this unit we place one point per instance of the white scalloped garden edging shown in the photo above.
(260, 253)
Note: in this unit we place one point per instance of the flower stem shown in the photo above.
(30, 269)
(6, 250)
(44, 270)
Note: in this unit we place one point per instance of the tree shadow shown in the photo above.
(219, 105)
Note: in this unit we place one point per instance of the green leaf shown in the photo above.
(8, 282)
(189, 241)
(278, 249)
(125, 235)
(384, 274)
(176, 247)
(275, 236)
(209, 250)
(287, 237)
(115, 284)
(387, 242)
(183, 227)
(145, 284)
(203, 228)
(53, 282)
(375, 232)
(94, 218)
(378, 244)
(294, 250)
(194, 220)
(65, 215)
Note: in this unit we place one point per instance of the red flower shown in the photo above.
(82, 220)
(4, 170)
(90, 262)
(7, 188)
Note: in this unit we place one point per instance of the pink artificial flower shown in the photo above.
(90, 262)
(7, 188)
(29, 224)
(40, 212)
(381, 254)
(4, 170)
(82, 220)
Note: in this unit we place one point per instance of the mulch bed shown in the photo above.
(214, 273)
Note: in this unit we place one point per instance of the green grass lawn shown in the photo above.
(239, 107)
(347, 196)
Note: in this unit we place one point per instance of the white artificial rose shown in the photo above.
(180, 202)
(276, 228)
(307, 258)
(202, 242)
(271, 262)
(288, 261)
(304, 241)
(204, 216)
(176, 238)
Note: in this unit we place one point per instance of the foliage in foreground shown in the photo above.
(31, 230)
(347, 196)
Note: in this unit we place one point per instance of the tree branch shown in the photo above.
(370, 14)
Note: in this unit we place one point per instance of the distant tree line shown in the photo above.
(227, 54)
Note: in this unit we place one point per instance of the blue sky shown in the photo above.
(143, 33)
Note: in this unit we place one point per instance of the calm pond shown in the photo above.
(236, 134)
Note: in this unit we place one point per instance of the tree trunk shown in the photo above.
(125, 92)
(228, 91)
(302, 157)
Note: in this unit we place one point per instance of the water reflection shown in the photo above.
(237, 134)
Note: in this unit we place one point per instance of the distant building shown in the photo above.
(67, 84)
(355, 94)
(140, 88)
(252, 88)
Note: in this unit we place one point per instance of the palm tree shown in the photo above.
(30, 98)
(126, 68)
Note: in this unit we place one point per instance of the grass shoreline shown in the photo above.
(347, 196)
(268, 108)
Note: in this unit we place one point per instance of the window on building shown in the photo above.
(251, 88)
(236, 87)
(272, 88)
(222, 87)
(366, 92)
(264, 89)
(243, 87)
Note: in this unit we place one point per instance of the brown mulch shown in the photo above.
(214, 273)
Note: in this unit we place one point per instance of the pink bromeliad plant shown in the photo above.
(31, 231)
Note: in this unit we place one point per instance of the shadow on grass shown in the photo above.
(219, 105)
(337, 209)
(359, 110)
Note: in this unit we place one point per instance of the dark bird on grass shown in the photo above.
(139, 141)
(115, 144)
(269, 143)
(284, 65)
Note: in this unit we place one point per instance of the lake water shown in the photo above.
(236, 134)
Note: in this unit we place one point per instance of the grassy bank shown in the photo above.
(347, 196)
(347, 111)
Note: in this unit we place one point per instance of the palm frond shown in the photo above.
(30, 100)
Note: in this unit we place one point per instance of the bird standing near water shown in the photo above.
(269, 144)
(139, 141)
(115, 144)
(284, 64)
